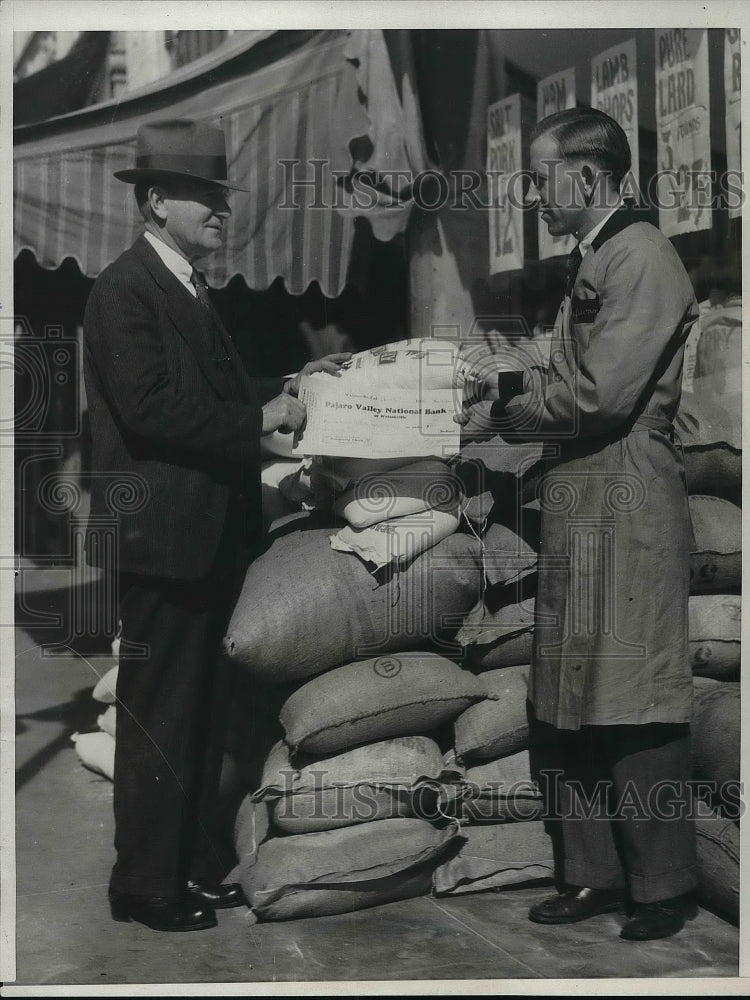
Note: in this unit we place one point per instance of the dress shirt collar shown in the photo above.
(175, 262)
(585, 244)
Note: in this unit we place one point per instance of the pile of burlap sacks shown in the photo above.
(402, 765)
(380, 738)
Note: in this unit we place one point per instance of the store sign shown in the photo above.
(503, 164)
(555, 93)
(614, 90)
(732, 89)
(683, 141)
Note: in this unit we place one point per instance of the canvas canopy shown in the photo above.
(290, 104)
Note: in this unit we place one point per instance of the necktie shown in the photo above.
(574, 262)
(201, 290)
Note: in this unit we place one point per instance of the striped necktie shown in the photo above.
(201, 289)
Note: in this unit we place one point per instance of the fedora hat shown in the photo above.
(180, 148)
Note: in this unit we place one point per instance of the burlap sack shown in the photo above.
(337, 871)
(305, 608)
(375, 781)
(499, 725)
(718, 363)
(96, 752)
(107, 721)
(379, 496)
(715, 734)
(718, 844)
(714, 634)
(497, 855)
(397, 541)
(501, 790)
(501, 638)
(395, 695)
(716, 561)
(508, 555)
(105, 687)
(710, 430)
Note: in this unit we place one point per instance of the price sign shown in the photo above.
(614, 90)
(555, 93)
(503, 162)
(683, 141)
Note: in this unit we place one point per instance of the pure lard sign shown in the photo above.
(682, 130)
(503, 163)
(555, 93)
(614, 90)
(732, 93)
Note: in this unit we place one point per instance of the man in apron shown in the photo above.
(610, 685)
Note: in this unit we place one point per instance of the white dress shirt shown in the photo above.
(585, 244)
(182, 269)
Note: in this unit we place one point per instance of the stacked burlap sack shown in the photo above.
(370, 795)
(348, 803)
(348, 811)
(361, 804)
(363, 798)
(499, 804)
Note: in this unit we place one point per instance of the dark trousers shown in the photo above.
(172, 705)
(621, 807)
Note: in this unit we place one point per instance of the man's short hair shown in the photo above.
(587, 133)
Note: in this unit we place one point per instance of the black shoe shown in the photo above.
(650, 921)
(218, 897)
(576, 904)
(161, 913)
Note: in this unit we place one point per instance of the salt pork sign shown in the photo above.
(555, 93)
(614, 90)
(682, 130)
(503, 166)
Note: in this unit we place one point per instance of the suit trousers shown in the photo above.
(174, 689)
(619, 807)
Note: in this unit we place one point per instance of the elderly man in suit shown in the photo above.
(610, 684)
(172, 408)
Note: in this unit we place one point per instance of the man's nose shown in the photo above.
(222, 208)
(532, 197)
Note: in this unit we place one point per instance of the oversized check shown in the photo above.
(392, 402)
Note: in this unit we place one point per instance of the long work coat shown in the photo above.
(611, 629)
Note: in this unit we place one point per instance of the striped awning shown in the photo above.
(287, 121)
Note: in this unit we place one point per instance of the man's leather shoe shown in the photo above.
(576, 904)
(659, 920)
(218, 897)
(161, 913)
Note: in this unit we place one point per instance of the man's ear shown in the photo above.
(590, 177)
(594, 182)
(157, 202)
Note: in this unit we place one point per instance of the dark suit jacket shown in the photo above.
(175, 432)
